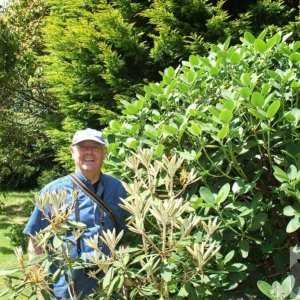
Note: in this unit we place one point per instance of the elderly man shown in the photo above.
(88, 151)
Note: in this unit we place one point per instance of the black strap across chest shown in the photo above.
(96, 199)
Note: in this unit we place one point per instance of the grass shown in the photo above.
(15, 208)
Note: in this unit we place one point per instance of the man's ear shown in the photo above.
(72, 150)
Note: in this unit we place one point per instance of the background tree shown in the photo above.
(24, 148)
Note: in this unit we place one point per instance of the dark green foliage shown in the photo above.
(25, 149)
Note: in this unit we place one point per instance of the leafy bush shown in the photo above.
(16, 236)
(234, 116)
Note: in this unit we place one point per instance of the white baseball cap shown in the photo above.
(88, 135)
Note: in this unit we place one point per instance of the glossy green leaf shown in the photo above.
(214, 71)
(237, 267)
(207, 195)
(225, 115)
(293, 225)
(170, 72)
(274, 40)
(115, 125)
(76, 224)
(287, 286)
(249, 37)
(229, 104)
(280, 175)
(108, 277)
(244, 247)
(159, 149)
(295, 57)
(170, 129)
(296, 46)
(223, 132)
(257, 99)
(235, 58)
(190, 76)
(131, 143)
(245, 92)
(228, 257)
(257, 114)
(57, 242)
(194, 60)
(246, 79)
(295, 85)
(194, 128)
(150, 131)
(265, 288)
(273, 108)
(260, 45)
(289, 211)
(222, 194)
(293, 115)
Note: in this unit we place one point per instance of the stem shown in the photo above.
(215, 166)
(268, 147)
(235, 162)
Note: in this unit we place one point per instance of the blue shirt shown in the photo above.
(110, 190)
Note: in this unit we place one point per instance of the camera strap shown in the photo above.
(96, 199)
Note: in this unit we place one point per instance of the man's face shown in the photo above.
(88, 157)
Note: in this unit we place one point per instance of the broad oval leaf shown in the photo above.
(257, 114)
(245, 92)
(228, 257)
(287, 286)
(295, 57)
(229, 104)
(257, 99)
(207, 195)
(170, 72)
(280, 175)
(265, 288)
(273, 108)
(194, 60)
(57, 242)
(223, 193)
(249, 37)
(293, 225)
(225, 115)
(194, 128)
(246, 79)
(260, 46)
(235, 58)
(170, 129)
(289, 211)
(214, 71)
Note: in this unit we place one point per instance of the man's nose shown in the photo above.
(88, 149)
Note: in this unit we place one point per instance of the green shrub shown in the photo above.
(234, 117)
(17, 237)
